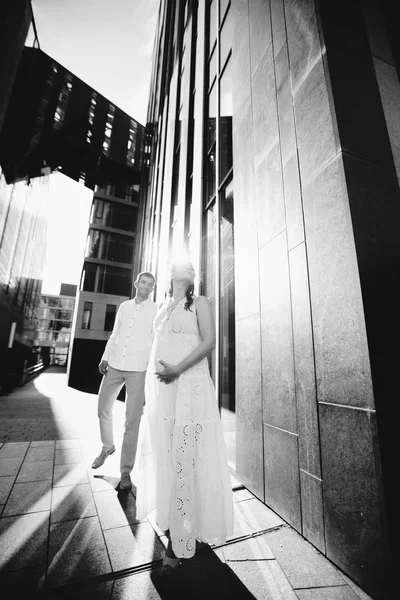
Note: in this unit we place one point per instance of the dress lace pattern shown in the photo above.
(181, 467)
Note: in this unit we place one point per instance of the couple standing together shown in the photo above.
(181, 467)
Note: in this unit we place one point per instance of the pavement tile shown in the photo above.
(240, 527)
(304, 565)
(82, 590)
(151, 517)
(138, 586)
(68, 456)
(23, 583)
(40, 453)
(102, 483)
(6, 484)
(257, 514)
(252, 549)
(43, 443)
(76, 443)
(132, 546)
(76, 551)
(10, 466)
(360, 593)
(23, 540)
(341, 592)
(220, 553)
(36, 471)
(28, 497)
(264, 579)
(241, 495)
(69, 475)
(115, 509)
(72, 502)
(13, 449)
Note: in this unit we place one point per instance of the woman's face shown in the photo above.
(182, 272)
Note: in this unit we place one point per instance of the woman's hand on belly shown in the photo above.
(169, 372)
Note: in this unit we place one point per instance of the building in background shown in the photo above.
(107, 279)
(23, 227)
(56, 120)
(54, 323)
(53, 121)
(274, 163)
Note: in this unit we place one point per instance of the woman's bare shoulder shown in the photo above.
(201, 301)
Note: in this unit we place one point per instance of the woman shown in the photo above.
(182, 466)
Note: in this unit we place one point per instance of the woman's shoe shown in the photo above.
(169, 565)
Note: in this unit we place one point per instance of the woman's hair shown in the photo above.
(189, 295)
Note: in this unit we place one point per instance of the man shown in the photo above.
(125, 360)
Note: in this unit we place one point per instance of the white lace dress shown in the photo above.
(181, 468)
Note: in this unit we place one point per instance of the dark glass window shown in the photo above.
(88, 277)
(115, 280)
(225, 122)
(110, 317)
(227, 302)
(87, 315)
(117, 247)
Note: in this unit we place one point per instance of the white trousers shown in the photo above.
(110, 387)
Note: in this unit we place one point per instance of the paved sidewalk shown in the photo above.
(67, 531)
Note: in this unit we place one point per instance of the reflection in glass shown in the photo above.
(213, 24)
(226, 159)
(226, 39)
(210, 262)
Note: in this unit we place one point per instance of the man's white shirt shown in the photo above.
(129, 346)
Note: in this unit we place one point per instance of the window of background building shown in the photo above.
(111, 214)
(87, 314)
(109, 320)
(63, 99)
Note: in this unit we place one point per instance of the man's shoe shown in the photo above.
(125, 483)
(100, 459)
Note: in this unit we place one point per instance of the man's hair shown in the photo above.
(145, 274)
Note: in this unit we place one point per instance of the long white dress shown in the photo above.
(181, 468)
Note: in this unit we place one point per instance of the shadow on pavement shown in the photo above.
(200, 577)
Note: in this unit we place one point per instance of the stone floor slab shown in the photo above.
(264, 579)
(10, 466)
(258, 515)
(72, 502)
(43, 443)
(36, 453)
(240, 495)
(13, 449)
(115, 509)
(138, 586)
(304, 566)
(36, 471)
(132, 546)
(102, 483)
(6, 484)
(340, 592)
(240, 527)
(29, 497)
(255, 548)
(76, 443)
(23, 583)
(23, 540)
(76, 551)
(68, 456)
(69, 475)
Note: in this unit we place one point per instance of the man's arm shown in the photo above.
(111, 341)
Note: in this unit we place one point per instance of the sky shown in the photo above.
(109, 45)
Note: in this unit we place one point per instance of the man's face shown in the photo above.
(144, 286)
